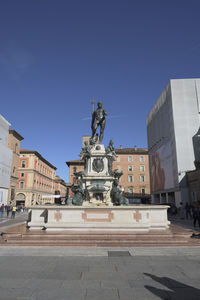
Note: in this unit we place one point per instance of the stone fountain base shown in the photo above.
(90, 219)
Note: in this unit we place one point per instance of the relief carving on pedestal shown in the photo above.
(98, 165)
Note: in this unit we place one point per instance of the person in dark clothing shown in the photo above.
(8, 211)
(188, 211)
(196, 216)
(2, 209)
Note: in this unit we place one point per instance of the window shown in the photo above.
(130, 159)
(23, 164)
(141, 158)
(74, 170)
(142, 168)
(21, 184)
(130, 178)
(22, 174)
(16, 147)
(130, 190)
(12, 194)
(142, 191)
(130, 168)
(142, 178)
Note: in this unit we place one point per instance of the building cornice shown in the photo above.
(78, 162)
(16, 134)
(132, 151)
(26, 151)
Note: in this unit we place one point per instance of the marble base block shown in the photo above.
(90, 219)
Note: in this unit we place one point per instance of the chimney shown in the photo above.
(120, 146)
(135, 148)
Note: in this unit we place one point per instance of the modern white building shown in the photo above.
(171, 125)
(5, 160)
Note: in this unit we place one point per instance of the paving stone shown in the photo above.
(104, 268)
(68, 268)
(100, 275)
(80, 284)
(70, 274)
(100, 294)
(60, 294)
(134, 266)
(141, 283)
(142, 293)
(14, 293)
(114, 283)
(103, 278)
(36, 284)
(7, 294)
(7, 283)
(11, 274)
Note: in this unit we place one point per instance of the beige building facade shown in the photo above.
(14, 141)
(36, 179)
(60, 189)
(134, 163)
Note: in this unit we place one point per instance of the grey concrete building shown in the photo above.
(171, 125)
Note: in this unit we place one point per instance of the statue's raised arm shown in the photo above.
(98, 120)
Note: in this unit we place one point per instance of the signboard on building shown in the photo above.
(162, 168)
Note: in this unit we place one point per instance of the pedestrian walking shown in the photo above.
(196, 216)
(2, 209)
(13, 212)
(182, 211)
(8, 211)
(188, 211)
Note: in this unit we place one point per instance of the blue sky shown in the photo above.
(55, 56)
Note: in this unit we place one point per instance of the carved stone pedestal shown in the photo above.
(97, 178)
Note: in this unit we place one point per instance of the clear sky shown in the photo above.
(56, 55)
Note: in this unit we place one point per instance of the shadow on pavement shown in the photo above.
(177, 290)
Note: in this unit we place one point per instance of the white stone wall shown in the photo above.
(185, 104)
(175, 119)
(141, 218)
(5, 160)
